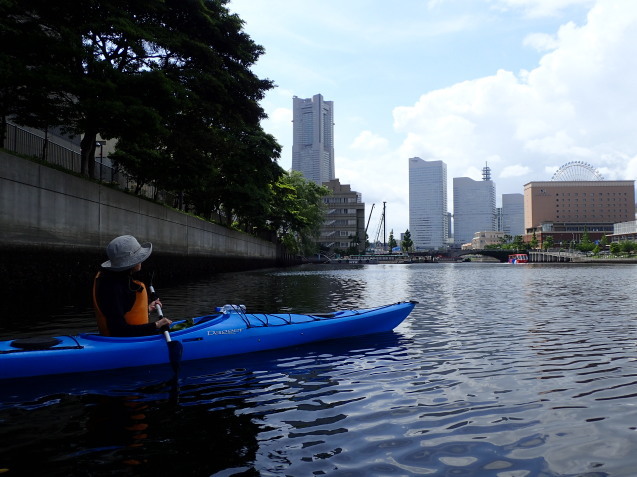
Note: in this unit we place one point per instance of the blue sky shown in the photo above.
(523, 85)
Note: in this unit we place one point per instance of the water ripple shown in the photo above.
(500, 371)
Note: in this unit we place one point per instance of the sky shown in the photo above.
(523, 86)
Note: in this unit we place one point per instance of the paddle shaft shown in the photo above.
(161, 315)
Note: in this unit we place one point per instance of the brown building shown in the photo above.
(344, 224)
(567, 209)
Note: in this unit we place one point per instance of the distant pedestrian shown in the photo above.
(121, 303)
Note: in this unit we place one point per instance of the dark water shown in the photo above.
(502, 370)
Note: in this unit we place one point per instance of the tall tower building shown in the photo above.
(473, 206)
(428, 216)
(513, 214)
(313, 138)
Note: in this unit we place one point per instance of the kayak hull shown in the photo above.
(224, 334)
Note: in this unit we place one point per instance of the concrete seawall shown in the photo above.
(55, 226)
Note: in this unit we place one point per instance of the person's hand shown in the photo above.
(152, 306)
(163, 322)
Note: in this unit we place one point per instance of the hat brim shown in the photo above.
(138, 257)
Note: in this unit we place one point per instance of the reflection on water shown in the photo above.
(500, 371)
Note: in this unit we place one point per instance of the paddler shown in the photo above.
(121, 303)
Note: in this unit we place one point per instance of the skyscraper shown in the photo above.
(473, 206)
(428, 218)
(313, 138)
(513, 214)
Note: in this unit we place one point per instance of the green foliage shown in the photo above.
(534, 242)
(392, 241)
(585, 244)
(615, 248)
(355, 245)
(508, 242)
(519, 244)
(298, 212)
(129, 68)
(627, 246)
(548, 242)
(407, 242)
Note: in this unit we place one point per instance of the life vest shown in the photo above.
(137, 315)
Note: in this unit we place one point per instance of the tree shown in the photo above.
(392, 241)
(585, 244)
(627, 246)
(533, 243)
(518, 243)
(615, 248)
(354, 247)
(297, 212)
(407, 242)
(88, 60)
(548, 242)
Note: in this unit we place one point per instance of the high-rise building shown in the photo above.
(428, 215)
(473, 206)
(313, 138)
(513, 214)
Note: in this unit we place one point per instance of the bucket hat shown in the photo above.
(125, 252)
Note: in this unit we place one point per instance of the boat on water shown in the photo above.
(518, 258)
(230, 331)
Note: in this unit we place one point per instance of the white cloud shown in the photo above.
(516, 170)
(369, 141)
(577, 104)
(282, 116)
(541, 41)
(540, 8)
(550, 170)
(524, 85)
(631, 167)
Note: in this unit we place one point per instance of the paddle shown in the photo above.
(175, 348)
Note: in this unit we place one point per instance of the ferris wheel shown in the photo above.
(577, 171)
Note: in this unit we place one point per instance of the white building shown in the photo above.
(473, 206)
(481, 239)
(313, 138)
(428, 215)
(513, 214)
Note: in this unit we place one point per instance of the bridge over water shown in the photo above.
(503, 255)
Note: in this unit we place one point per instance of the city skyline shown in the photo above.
(525, 85)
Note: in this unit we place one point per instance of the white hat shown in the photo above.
(125, 252)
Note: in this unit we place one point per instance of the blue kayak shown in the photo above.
(231, 331)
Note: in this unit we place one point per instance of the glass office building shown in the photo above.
(428, 215)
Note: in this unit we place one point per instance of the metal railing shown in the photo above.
(37, 144)
(34, 143)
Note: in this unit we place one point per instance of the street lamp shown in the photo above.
(101, 144)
